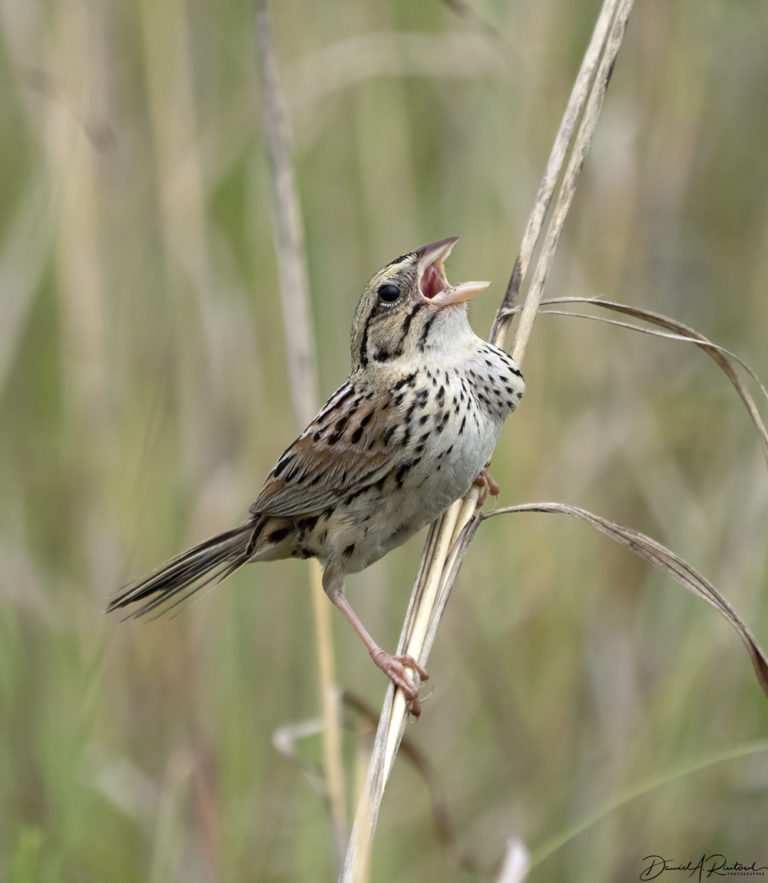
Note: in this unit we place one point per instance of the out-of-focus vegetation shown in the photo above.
(144, 396)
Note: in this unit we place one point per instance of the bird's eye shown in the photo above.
(388, 293)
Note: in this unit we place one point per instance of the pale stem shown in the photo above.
(439, 562)
(294, 290)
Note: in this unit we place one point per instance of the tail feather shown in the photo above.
(187, 573)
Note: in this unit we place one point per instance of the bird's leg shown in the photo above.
(394, 667)
(487, 485)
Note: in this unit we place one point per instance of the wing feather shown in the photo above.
(344, 449)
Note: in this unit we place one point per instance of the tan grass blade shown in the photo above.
(443, 823)
(676, 331)
(664, 560)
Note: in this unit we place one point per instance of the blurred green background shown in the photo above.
(144, 396)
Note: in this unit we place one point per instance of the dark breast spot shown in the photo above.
(404, 469)
(405, 381)
(306, 525)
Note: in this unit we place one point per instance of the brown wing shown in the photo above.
(345, 448)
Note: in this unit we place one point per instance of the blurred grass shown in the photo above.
(144, 395)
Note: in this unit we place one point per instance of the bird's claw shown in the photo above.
(487, 485)
(395, 668)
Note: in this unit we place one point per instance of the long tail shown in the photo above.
(187, 573)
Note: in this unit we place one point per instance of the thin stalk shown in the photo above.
(449, 537)
(294, 290)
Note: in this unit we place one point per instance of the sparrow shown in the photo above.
(408, 433)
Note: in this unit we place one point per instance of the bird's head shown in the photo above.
(409, 306)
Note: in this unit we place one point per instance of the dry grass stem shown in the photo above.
(439, 563)
(287, 227)
(684, 334)
(662, 559)
(444, 826)
(294, 289)
(553, 171)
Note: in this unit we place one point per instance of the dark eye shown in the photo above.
(388, 293)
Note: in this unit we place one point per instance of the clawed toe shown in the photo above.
(395, 668)
(487, 485)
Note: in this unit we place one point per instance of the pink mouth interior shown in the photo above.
(432, 281)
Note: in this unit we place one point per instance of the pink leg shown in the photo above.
(394, 667)
(487, 485)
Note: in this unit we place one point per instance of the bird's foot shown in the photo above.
(487, 485)
(396, 669)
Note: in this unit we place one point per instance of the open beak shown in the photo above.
(433, 285)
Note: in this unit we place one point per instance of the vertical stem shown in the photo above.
(329, 704)
(439, 562)
(291, 257)
(287, 228)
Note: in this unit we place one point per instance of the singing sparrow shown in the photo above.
(401, 439)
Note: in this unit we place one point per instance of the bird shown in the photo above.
(407, 434)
